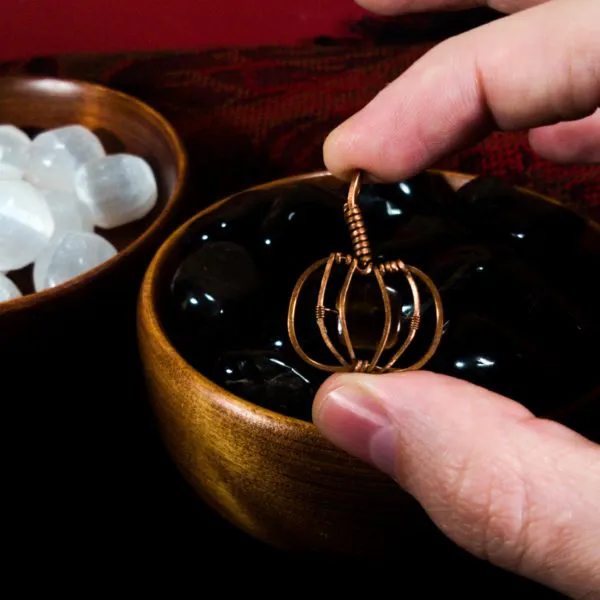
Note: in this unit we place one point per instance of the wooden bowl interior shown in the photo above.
(175, 249)
(122, 123)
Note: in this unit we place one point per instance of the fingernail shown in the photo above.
(354, 419)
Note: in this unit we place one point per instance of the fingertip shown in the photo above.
(355, 421)
(349, 148)
(356, 145)
(335, 152)
(322, 394)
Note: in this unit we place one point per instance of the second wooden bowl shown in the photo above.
(76, 318)
(68, 356)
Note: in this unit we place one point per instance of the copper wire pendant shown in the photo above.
(361, 264)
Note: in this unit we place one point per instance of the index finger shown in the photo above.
(533, 68)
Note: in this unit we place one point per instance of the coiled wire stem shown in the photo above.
(358, 230)
(361, 262)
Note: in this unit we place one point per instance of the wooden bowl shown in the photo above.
(123, 124)
(273, 476)
(64, 349)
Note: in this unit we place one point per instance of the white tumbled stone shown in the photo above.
(8, 290)
(57, 154)
(71, 255)
(118, 189)
(26, 224)
(68, 212)
(10, 173)
(14, 152)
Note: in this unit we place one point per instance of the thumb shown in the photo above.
(522, 492)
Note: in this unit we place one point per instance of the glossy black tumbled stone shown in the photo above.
(297, 230)
(515, 272)
(214, 293)
(268, 378)
(501, 211)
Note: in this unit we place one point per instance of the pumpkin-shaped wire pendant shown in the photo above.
(361, 265)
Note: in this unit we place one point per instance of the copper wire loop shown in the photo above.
(361, 263)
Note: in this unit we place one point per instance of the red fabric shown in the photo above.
(36, 27)
(250, 115)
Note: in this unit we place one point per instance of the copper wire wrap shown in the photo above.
(361, 264)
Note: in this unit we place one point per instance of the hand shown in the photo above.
(519, 491)
(538, 69)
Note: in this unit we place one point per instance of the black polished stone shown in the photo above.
(420, 238)
(514, 322)
(267, 378)
(399, 212)
(485, 353)
(214, 293)
(236, 223)
(387, 204)
(498, 210)
(297, 230)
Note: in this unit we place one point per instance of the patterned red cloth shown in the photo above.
(251, 115)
